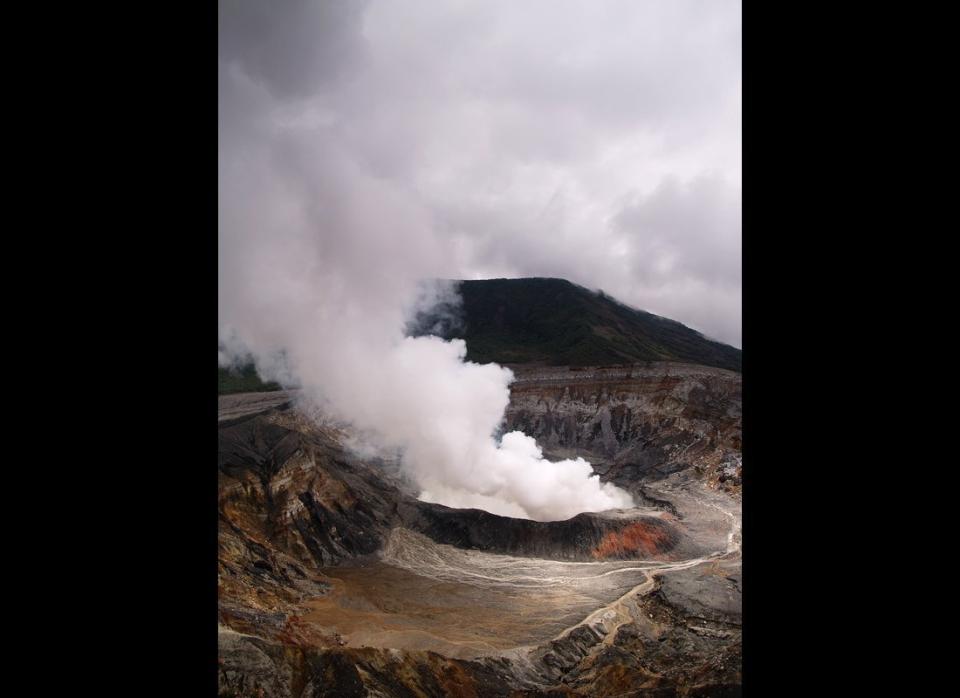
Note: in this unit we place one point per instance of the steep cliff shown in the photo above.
(634, 423)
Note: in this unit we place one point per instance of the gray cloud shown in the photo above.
(295, 47)
(527, 132)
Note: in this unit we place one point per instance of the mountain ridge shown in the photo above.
(554, 322)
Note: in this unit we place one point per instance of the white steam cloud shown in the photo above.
(418, 394)
(320, 297)
(320, 269)
(320, 263)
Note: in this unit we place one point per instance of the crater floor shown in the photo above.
(419, 595)
(465, 604)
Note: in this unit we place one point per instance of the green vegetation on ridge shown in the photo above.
(555, 322)
(243, 380)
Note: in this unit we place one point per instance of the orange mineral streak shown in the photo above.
(638, 537)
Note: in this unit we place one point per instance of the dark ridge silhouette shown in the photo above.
(554, 322)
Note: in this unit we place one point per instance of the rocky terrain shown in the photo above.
(334, 580)
(635, 424)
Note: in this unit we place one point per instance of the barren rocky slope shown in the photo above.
(335, 581)
(635, 424)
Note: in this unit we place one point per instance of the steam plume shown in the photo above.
(320, 263)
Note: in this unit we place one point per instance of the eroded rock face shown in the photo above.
(294, 503)
(634, 424)
(291, 500)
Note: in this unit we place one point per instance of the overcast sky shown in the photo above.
(597, 141)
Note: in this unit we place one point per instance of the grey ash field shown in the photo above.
(334, 580)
